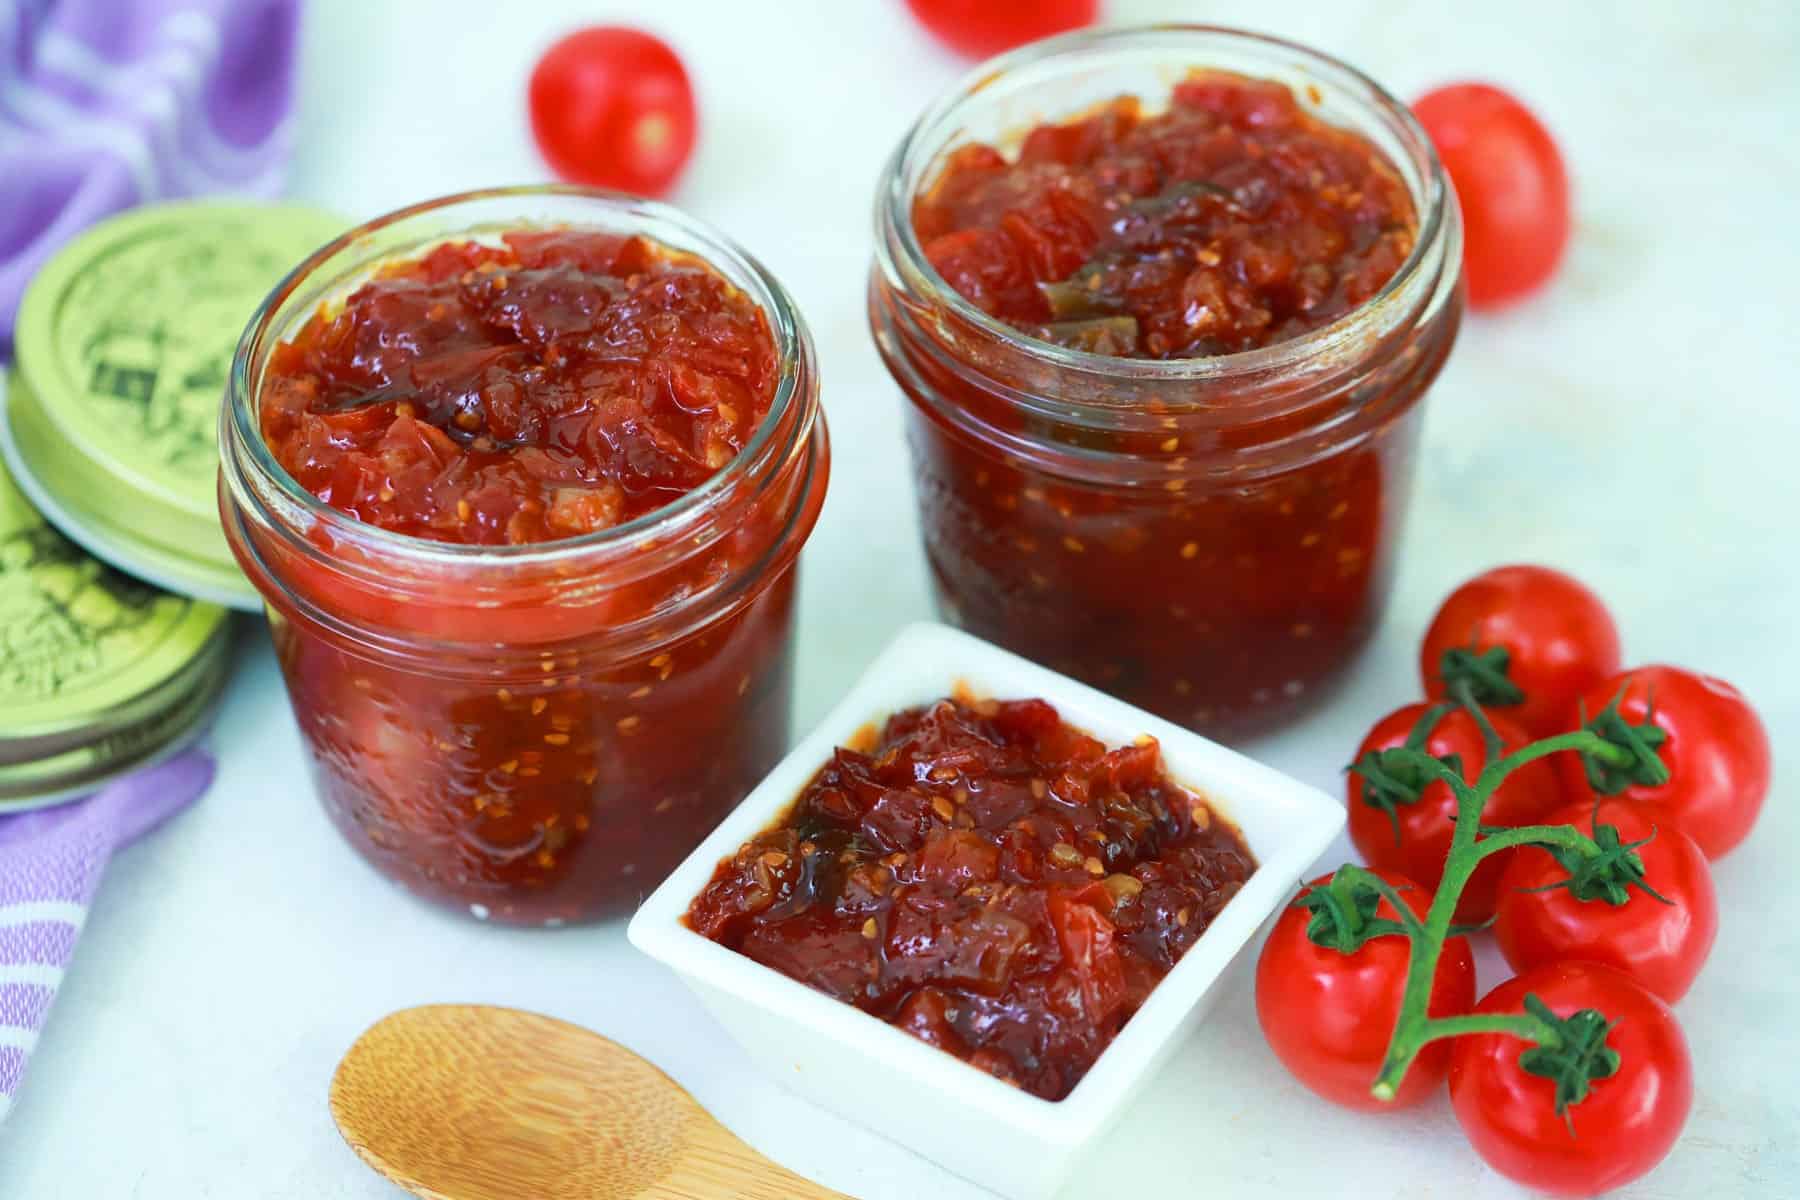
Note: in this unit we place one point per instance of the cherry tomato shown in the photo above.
(1425, 826)
(1510, 180)
(980, 28)
(1328, 1015)
(612, 107)
(1623, 1127)
(1717, 752)
(1558, 637)
(1662, 946)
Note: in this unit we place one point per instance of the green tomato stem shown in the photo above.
(1415, 1028)
(1520, 1025)
(1464, 694)
(1580, 740)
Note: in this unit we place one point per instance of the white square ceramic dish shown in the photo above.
(856, 1065)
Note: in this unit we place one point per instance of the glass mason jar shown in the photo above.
(1210, 538)
(534, 733)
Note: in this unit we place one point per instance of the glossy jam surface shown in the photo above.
(1232, 220)
(498, 741)
(551, 385)
(1218, 569)
(987, 878)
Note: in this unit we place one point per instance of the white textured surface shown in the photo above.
(1638, 424)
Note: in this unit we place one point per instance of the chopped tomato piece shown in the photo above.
(988, 878)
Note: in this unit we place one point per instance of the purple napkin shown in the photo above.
(50, 863)
(109, 103)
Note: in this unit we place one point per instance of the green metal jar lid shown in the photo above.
(77, 770)
(124, 344)
(86, 652)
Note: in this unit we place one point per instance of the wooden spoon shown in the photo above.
(463, 1102)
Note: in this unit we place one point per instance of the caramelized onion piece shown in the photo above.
(1097, 335)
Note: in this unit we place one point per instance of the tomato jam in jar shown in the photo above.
(1164, 302)
(522, 476)
(988, 878)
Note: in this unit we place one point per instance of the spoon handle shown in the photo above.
(718, 1166)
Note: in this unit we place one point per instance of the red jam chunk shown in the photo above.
(987, 878)
(553, 385)
(499, 751)
(1232, 220)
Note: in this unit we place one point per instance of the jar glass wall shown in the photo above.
(534, 733)
(1211, 538)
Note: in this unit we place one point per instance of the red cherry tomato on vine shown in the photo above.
(612, 107)
(1328, 1015)
(1425, 826)
(1558, 637)
(1628, 1120)
(1511, 182)
(981, 28)
(1716, 749)
(1662, 946)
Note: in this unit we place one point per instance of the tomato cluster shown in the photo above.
(1586, 850)
(1536, 645)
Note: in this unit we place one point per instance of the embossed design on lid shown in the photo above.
(124, 341)
(85, 650)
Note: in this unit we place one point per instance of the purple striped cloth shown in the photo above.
(105, 104)
(50, 864)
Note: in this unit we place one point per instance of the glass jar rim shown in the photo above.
(241, 423)
(917, 151)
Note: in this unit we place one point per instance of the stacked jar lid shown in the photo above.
(114, 574)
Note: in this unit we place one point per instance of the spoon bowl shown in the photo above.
(467, 1102)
